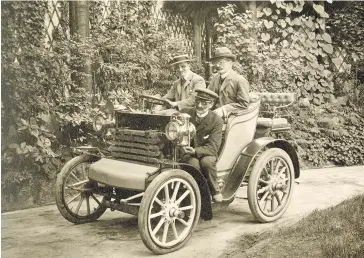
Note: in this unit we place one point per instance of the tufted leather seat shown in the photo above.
(276, 99)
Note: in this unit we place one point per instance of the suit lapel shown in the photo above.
(204, 122)
(226, 81)
(179, 87)
(188, 80)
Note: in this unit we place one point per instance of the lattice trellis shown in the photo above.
(176, 25)
(52, 22)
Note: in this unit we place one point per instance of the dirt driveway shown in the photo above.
(42, 232)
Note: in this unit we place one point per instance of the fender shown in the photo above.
(246, 158)
(206, 208)
(94, 151)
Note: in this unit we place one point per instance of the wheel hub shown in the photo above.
(276, 183)
(172, 212)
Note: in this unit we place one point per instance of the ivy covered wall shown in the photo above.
(45, 113)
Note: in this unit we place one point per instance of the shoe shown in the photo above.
(217, 197)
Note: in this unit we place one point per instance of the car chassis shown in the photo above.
(140, 174)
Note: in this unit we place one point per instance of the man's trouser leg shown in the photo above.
(192, 161)
(208, 167)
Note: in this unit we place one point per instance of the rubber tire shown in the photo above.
(60, 201)
(253, 180)
(147, 200)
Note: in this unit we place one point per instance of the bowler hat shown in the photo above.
(179, 59)
(222, 52)
(206, 94)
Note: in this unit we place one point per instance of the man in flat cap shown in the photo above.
(203, 155)
(180, 94)
(232, 88)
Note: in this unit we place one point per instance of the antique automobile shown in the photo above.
(140, 173)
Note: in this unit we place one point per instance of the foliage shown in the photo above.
(282, 50)
(45, 113)
(131, 50)
(329, 134)
(346, 23)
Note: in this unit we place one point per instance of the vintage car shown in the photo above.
(140, 174)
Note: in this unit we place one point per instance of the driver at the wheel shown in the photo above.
(180, 94)
(206, 143)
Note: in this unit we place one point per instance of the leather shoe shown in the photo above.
(217, 197)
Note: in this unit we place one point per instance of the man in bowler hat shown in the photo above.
(205, 145)
(232, 88)
(180, 94)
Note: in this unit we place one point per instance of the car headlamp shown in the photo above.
(100, 123)
(180, 129)
(172, 130)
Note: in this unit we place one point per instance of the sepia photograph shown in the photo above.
(139, 128)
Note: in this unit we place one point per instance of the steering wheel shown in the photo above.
(154, 100)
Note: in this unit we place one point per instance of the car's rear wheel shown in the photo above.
(75, 193)
(271, 184)
(169, 211)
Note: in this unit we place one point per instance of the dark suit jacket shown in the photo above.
(182, 94)
(208, 133)
(233, 93)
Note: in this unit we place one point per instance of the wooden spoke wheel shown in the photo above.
(169, 211)
(271, 185)
(75, 193)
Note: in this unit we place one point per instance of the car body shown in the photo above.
(140, 173)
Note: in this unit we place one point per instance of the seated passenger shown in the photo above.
(205, 145)
(180, 94)
(232, 88)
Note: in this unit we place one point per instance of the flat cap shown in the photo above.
(206, 94)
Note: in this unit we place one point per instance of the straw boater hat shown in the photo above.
(180, 59)
(206, 94)
(222, 52)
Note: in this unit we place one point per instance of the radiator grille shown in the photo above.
(142, 146)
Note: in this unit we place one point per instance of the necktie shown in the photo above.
(198, 120)
(221, 80)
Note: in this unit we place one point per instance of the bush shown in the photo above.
(328, 135)
(45, 112)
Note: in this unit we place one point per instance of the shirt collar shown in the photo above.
(187, 75)
(203, 115)
(223, 76)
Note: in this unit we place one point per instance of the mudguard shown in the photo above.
(206, 208)
(94, 151)
(246, 158)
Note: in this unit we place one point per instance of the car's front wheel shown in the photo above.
(75, 193)
(169, 211)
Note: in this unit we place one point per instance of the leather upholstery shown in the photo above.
(272, 122)
(276, 98)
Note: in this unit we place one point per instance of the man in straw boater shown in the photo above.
(180, 94)
(232, 88)
(205, 145)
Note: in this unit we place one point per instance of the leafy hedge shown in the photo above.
(328, 135)
(45, 113)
